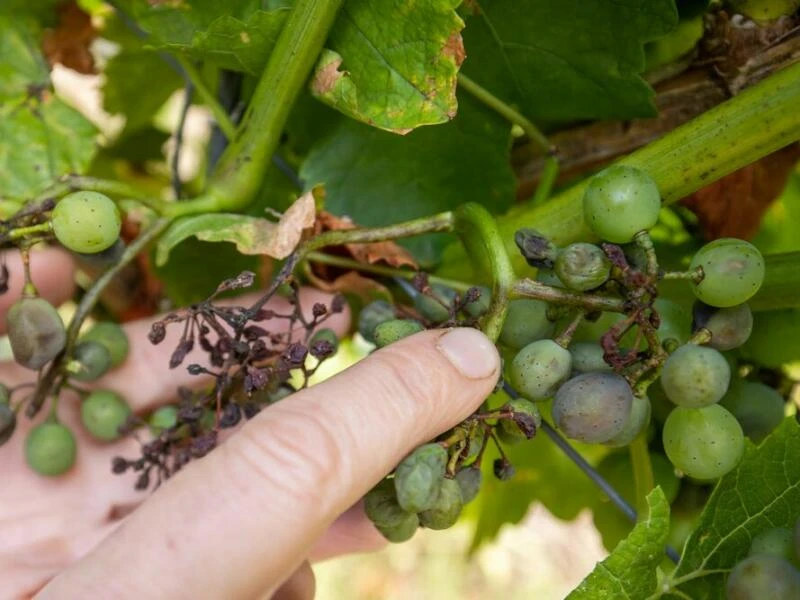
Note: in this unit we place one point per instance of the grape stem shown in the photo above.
(693, 275)
(24, 232)
(120, 189)
(47, 381)
(565, 337)
(528, 288)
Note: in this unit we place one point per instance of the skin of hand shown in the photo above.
(244, 521)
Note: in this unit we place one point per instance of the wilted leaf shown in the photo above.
(68, 43)
(252, 235)
(387, 252)
(391, 64)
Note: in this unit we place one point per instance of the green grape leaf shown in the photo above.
(195, 269)
(565, 60)
(22, 67)
(237, 34)
(630, 570)
(127, 75)
(381, 178)
(252, 235)
(763, 492)
(42, 139)
(391, 64)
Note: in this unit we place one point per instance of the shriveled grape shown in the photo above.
(392, 331)
(695, 376)
(526, 421)
(419, 476)
(705, 443)
(103, 413)
(402, 532)
(480, 305)
(436, 306)
(446, 509)
(382, 507)
(35, 331)
(582, 266)
(469, 480)
(593, 407)
(94, 360)
(372, 315)
(526, 322)
(539, 368)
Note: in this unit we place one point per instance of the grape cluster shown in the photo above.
(770, 570)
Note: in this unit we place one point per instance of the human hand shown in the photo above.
(243, 520)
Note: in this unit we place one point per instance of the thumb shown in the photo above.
(239, 522)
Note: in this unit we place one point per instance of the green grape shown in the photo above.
(676, 324)
(763, 577)
(392, 331)
(730, 327)
(637, 422)
(582, 266)
(479, 306)
(5, 394)
(510, 427)
(402, 532)
(435, 307)
(733, 270)
(94, 359)
(8, 422)
(381, 506)
(778, 542)
(695, 376)
(102, 413)
(526, 322)
(587, 357)
(86, 222)
(469, 480)
(775, 340)
(113, 337)
(50, 449)
(372, 315)
(35, 331)
(419, 476)
(593, 407)
(705, 443)
(325, 335)
(619, 202)
(164, 417)
(758, 408)
(765, 10)
(446, 509)
(539, 368)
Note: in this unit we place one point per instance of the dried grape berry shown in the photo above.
(35, 331)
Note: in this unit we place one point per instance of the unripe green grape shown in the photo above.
(763, 577)
(479, 306)
(758, 408)
(102, 413)
(729, 327)
(695, 376)
(593, 407)
(587, 357)
(419, 476)
(778, 542)
(381, 506)
(434, 307)
(765, 10)
(50, 449)
(8, 422)
(705, 443)
(525, 408)
(539, 368)
(526, 322)
(733, 271)
(619, 202)
(392, 331)
(86, 222)
(325, 335)
(113, 337)
(164, 417)
(446, 509)
(35, 331)
(372, 315)
(94, 360)
(637, 422)
(402, 532)
(582, 266)
(469, 480)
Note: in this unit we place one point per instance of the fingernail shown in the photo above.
(470, 352)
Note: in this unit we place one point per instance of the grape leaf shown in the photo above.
(761, 493)
(429, 170)
(630, 570)
(392, 64)
(252, 235)
(236, 34)
(42, 139)
(564, 60)
(22, 67)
